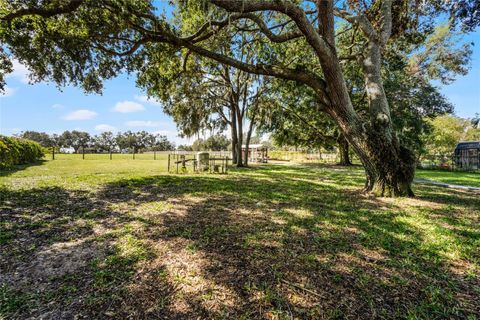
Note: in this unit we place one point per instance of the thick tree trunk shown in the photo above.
(343, 151)
(247, 142)
(233, 124)
(389, 168)
(240, 141)
(234, 151)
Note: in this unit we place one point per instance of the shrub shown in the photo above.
(15, 151)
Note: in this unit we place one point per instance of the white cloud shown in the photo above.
(128, 107)
(82, 114)
(146, 99)
(20, 72)
(58, 106)
(105, 128)
(141, 123)
(8, 91)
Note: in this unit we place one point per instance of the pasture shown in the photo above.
(121, 239)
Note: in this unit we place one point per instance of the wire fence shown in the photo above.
(444, 162)
(450, 162)
(303, 156)
(151, 155)
(293, 156)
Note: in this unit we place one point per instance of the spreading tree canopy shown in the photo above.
(84, 42)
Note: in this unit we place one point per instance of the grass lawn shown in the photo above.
(471, 179)
(123, 239)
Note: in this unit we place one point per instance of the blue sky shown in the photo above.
(43, 107)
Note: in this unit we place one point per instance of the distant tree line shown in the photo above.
(81, 141)
(217, 142)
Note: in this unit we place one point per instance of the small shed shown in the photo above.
(255, 152)
(467, 155)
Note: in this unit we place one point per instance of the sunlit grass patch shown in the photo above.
(270, 241)
(471, 179)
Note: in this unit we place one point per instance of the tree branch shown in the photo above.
(200, 34)
(304, 77)
(360, 20)
(128, 52)
(286, 7)
(72, 5)
(386, 28)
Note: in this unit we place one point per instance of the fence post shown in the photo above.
(83, 153)
(53, 153)
(133, 153)
(169, 163)
(154, 155)
(110, 154)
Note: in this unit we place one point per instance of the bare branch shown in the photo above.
(360, 20)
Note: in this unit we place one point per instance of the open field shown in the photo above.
(122, 239)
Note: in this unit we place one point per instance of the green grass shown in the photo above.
(471, 179)
(76, 173)
(123, 239)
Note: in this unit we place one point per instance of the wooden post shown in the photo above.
(169, 163)
(53, 153)
(184, 165)
(154, 155)
(110, 154)
(133, 153)
(83, 153)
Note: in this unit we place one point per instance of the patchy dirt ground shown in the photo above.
(274, 242)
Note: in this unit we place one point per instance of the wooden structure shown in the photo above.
(196, 163)
(255, 152)
(467, 155)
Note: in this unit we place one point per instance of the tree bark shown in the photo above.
(240, 141)
(343, 151)
(247, 142)
(233, 124)
(389, 167)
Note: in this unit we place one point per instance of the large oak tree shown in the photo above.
(86, 41)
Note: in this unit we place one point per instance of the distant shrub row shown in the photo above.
(15, 151)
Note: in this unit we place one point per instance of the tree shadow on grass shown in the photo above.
(276, 243)
(263, 236)
(67, 253)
